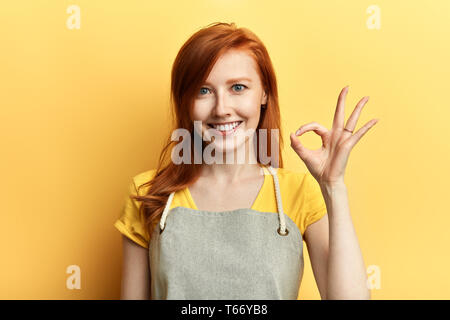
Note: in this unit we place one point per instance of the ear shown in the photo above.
(264, 98)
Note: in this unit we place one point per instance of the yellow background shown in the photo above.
(84, 110)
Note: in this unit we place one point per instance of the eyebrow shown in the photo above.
(234, 80)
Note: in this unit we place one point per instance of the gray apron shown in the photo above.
(239, 254)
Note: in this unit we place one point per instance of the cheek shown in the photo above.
(200, 111)
(251, 113)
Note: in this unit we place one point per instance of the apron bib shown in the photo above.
(239, 254)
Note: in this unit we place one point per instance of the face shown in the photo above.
(232, 94)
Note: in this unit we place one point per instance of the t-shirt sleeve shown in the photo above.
(314, 205)
(130, 222)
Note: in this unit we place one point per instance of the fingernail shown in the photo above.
(296, 132)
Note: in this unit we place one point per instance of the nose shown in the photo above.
(221, 108)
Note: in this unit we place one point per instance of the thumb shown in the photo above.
(297, 145)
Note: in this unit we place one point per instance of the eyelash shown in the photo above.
(237, 84)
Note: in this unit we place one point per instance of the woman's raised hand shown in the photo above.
(327, 164)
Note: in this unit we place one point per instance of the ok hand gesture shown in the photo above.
(327, 164)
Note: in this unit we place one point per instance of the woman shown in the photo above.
(235, 230)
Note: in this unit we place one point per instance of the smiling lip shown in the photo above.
(224, 123)
(229, 132)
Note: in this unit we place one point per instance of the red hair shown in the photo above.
(190, 69)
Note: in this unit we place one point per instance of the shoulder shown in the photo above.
(302, 197)
(294, 186)
(298, 188)
(142, 178)
(291, 178)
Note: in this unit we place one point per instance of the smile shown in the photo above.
(226, 129)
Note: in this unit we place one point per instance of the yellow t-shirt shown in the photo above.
(301, 198)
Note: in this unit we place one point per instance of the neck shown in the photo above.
(231, 173)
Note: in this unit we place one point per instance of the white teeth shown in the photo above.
(226, 127)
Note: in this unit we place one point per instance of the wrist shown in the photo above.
(330, 188)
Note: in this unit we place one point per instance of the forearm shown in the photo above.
(347, 278)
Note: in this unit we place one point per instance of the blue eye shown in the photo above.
(238, 85)
(203, 88)
(241, 85)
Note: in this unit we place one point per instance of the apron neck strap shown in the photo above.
(165, 212)
(282, 230)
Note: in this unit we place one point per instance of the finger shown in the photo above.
(339, 114)
(298, 147)
(361, 132)
(317, 128)
(312, 126)
(353, 120)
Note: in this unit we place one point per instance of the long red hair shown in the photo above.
(190, 69)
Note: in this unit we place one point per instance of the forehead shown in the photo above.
(233, 64)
